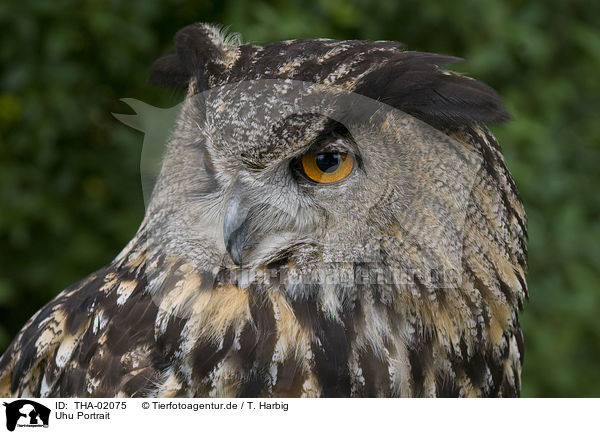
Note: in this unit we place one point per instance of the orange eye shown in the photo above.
(327, 167)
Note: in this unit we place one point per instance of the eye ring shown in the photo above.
(327, 167)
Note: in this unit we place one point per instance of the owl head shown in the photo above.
(317, 158)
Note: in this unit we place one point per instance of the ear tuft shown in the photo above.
(168, 71)
(415, 83)
(202, 52)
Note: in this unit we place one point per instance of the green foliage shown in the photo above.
(70, 194)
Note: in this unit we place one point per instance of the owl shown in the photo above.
(330, 218)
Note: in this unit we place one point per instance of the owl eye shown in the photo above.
(327, 167)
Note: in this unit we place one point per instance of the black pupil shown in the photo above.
(328, 162)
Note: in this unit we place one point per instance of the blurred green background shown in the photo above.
(70, 195)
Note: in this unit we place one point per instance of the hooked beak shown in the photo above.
(235, 226)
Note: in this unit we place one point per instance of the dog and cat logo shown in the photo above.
(26, 413)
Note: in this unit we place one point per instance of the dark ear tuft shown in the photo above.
(199, 53)
(168, 71)
(414, 83)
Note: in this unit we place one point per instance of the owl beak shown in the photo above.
(235, 226)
